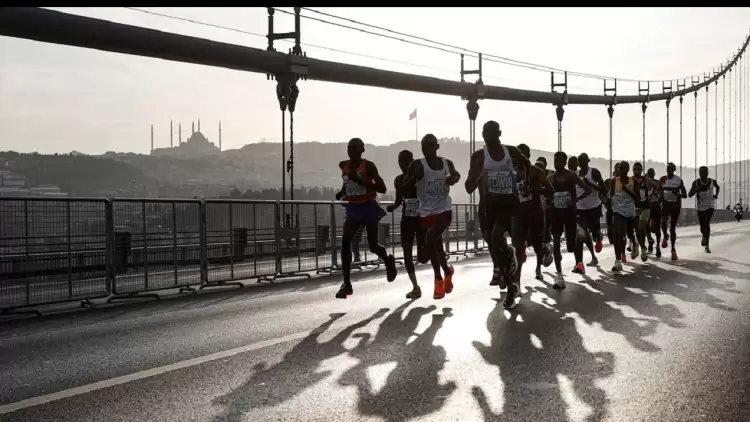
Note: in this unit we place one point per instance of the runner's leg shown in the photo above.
(709, 216)
(371, 227)
(409, 229)
(349, 230)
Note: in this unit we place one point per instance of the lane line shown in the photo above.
(148, 373)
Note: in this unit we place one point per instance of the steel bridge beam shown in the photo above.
(66, 29)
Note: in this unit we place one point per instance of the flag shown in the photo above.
(413, 115)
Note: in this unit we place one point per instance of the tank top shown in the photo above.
(622, 203)
(591, 201)
(704, 200)
(433, 190)
(356, 193)
(565, 192)
(653, 198)
(500, 176)
(674, 182)
(642, 190)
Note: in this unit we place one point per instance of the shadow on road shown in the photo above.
(270, 386)
(412, 389)
(530, 371)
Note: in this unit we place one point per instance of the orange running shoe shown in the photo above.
(448, 281)
(439, 289)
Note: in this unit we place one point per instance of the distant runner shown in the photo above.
(590, 207)
(672, 193)
(707, 191)
(624, 198)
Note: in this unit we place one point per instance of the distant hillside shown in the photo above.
(254, 167)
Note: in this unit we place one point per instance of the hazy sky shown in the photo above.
(58, 99)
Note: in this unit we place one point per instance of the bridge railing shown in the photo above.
(78, 249)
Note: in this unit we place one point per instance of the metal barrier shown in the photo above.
(77, 249)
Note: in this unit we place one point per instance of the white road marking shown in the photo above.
(112, 382)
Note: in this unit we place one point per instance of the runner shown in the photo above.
(493, 168)
(590, 207)
(546, 202)
(565, 183)
(433, 176)
(623, 211)
(410, 228)
(362, 183)
(672, 193)
(707, 191)
(655, 215)
(645, 187)
(528, 223)
(610, 225)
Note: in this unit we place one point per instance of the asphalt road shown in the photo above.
(666, 341)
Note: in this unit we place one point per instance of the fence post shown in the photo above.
(203, 243)
(277, 235)
(334, 254)
(109, 248)
(69, 247)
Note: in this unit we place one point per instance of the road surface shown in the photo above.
(667, 341)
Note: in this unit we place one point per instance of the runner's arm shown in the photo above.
(413, 174)
(598, 184)
(517, 156)
(399, 197)
(541, 177)
(341, 193)
(454, 176)
(379, 185)
(683, 192)
(475, 171)
(693, 189)
(583, 185)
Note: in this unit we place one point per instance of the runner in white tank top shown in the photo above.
(673, 191)
(590, 207)
(433, 176)
(493, 168)
(707, 190)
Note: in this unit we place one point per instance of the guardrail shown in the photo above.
(78, 249)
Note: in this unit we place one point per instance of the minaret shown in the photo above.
(219, 135)
(152, 138)
(193, 129)
(179, 133)
(171, 135)
(199, 125)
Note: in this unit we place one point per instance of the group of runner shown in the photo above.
(533, 205)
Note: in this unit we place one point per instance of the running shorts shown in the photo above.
(643, 214)
(528, 225)
(429, 221)
(655, 213)
(411, 229)
(564, 221)
(671, 210)
(366, 213)
(590, 218)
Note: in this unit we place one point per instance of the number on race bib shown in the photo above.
(354, 189)
(561, 199)
(499, 182)
(411, 207)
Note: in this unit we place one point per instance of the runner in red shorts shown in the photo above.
(434, 175)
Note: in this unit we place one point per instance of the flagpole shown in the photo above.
(416, 128)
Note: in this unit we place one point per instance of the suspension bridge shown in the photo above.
(651, 344)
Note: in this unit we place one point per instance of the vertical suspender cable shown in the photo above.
(729, 185)
(643, 109)
(681, 100)
(736, 150)
(716, 129)
(724, 139)
(611, 112)
(669, 100)
(695, 135)
(708, 161)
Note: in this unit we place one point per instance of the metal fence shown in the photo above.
(77, 249)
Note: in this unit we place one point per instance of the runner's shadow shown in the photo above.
(412, 389)
(270, 386)
(530, 372)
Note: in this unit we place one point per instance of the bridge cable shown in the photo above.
(724, 139)
(731, 193)
(682, 98)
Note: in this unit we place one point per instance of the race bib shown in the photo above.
(437, 187)
(561, 199)
(523, 193)
(353, 188)
(643, 195)
(411, 207)
(500, 182)
(670, 196)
